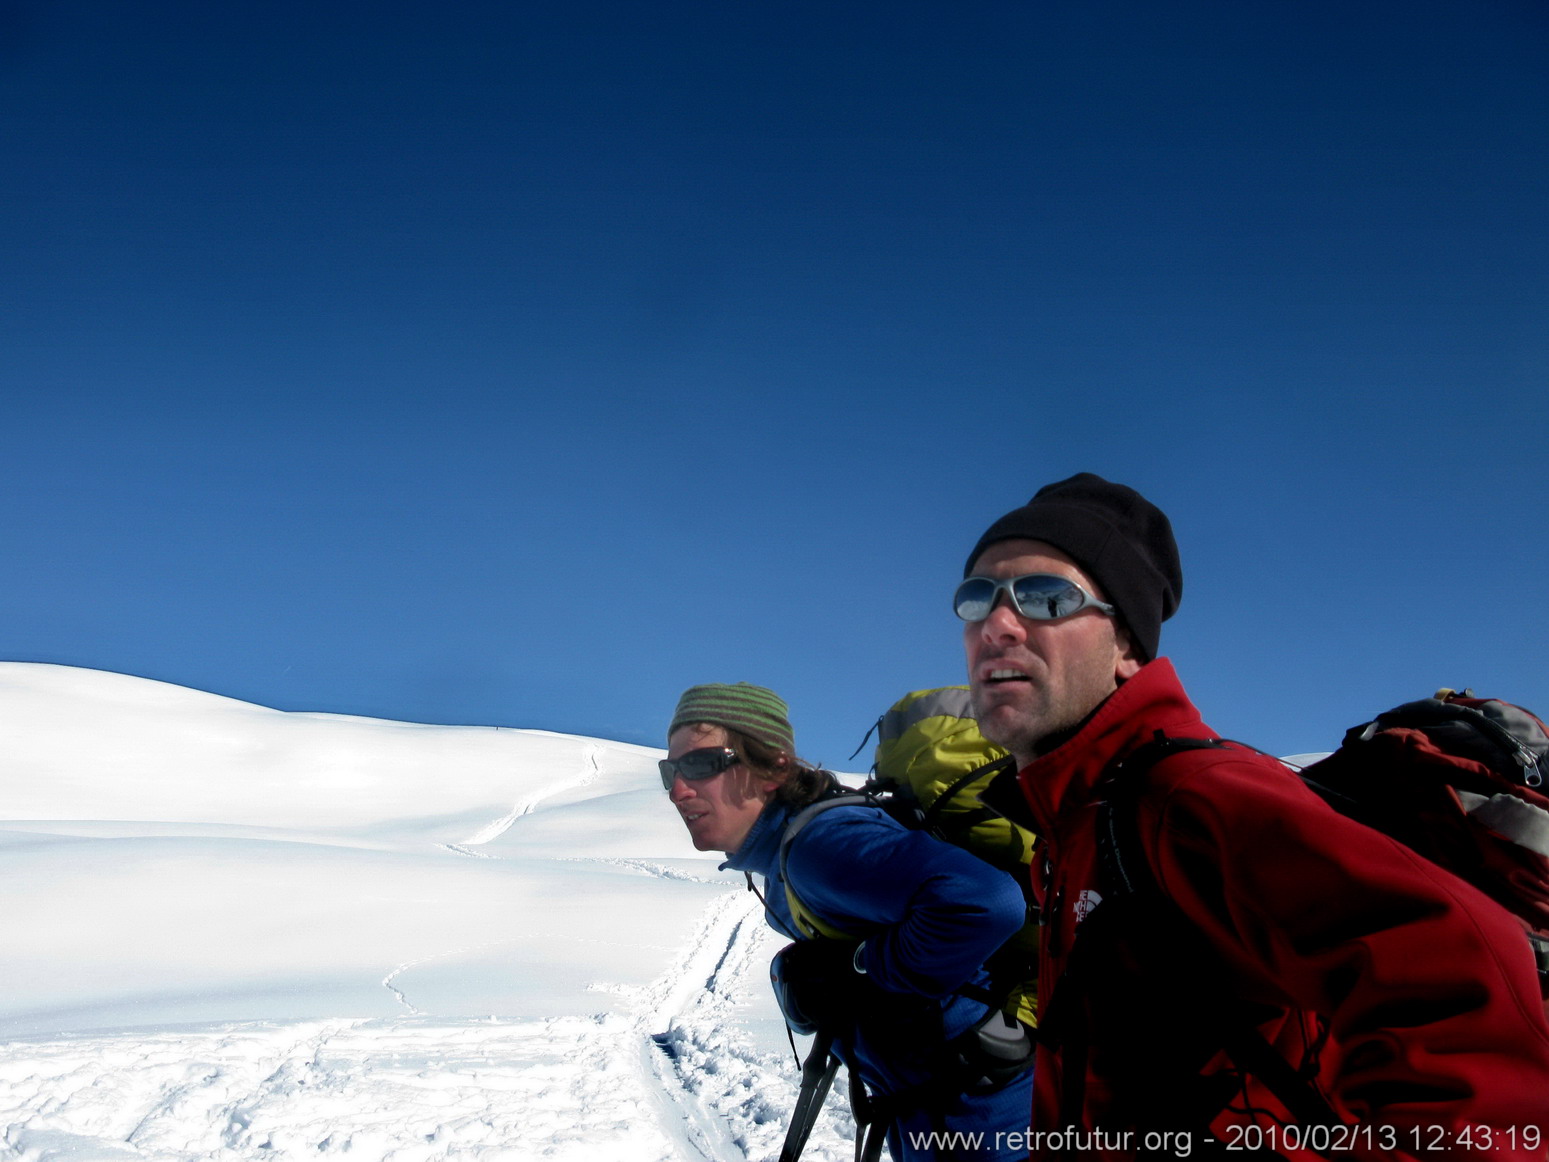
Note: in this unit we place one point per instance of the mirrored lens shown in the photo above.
(975, 598)
(1042, 596)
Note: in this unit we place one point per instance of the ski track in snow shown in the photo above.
(459, 849)
(733, 1099)
(489, 833)
(670, 1077)
(647, 867)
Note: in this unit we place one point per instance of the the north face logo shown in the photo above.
(1085, 902)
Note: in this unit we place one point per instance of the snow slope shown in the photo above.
(237, 933)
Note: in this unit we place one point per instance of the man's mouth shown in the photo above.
(995, 676)
(692, 817)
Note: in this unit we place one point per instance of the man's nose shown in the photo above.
(1003, 621)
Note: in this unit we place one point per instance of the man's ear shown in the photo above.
(1127, 661)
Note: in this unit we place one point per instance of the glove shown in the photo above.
(817, 984)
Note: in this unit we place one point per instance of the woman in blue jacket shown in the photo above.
(911, 994)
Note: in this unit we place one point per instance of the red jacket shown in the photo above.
(1425, 991)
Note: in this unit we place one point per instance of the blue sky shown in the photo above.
(523, 363)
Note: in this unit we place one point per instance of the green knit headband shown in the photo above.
(754, 711)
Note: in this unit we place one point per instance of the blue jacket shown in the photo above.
(929, 913)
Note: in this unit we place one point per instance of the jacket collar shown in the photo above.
(760, 851)
(1061, 781)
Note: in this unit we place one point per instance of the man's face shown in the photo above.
(718, 811)
(1033, 680)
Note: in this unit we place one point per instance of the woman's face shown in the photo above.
(718, 811)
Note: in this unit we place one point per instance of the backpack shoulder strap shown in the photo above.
(1121, 859)
(809, 924)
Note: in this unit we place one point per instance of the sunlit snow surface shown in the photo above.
(236, 933)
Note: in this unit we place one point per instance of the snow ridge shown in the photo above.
(203, 896)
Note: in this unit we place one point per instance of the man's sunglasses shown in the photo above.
(704, 763)
(1039, 596)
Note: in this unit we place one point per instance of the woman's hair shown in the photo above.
(799, 783)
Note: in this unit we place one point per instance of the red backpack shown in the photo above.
(1461, 780)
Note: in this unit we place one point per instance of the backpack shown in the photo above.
(930, 768)
(1460, 780)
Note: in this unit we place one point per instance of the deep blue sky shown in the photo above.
(522, 363)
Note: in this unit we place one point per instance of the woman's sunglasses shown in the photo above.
(1039, 596)
(704, 763)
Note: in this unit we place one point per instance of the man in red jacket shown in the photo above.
(1285, 981)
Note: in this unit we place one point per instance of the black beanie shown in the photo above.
(1122, 540)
